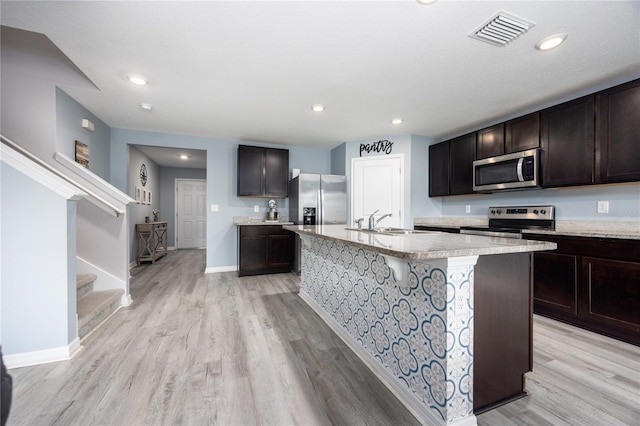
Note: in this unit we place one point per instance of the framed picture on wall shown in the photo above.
(144, 196)
(82, 154)
(137, 194)
(149, 197)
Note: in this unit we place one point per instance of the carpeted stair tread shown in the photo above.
(95, 307)
(84, 284)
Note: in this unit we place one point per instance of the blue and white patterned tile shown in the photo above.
(422, 332)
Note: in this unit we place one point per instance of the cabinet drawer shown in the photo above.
(257, 230)
(608, 248)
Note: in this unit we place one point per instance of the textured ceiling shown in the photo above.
(251, 70)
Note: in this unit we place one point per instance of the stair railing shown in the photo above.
(92, 196)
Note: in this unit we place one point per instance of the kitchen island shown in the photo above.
(407, 306)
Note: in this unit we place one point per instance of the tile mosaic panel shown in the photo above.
(421, 331)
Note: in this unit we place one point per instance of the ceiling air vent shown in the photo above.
(502, 29)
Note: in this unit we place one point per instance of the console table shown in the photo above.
(151, 240)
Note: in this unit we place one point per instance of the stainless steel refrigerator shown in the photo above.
(316, 200)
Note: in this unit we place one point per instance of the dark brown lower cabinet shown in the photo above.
(503, 329)
(264, 249)
(611, 293)
(593, 283)
(556, 282)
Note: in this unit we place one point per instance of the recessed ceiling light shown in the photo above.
(183, 156)
(551, 42)
(397, 121)
(317, 108)
(138, 80)
(146, 107)
(427, 2)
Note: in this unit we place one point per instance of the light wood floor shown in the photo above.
(217, 349)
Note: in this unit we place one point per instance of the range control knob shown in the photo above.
(535, 211)
(493, 212)
(499, 211)
(543, 211)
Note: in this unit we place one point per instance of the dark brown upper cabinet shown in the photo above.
(262, 172)
(451, 166)
(439, 169)
(490, 142)
(522, 133)
(567, 136)
(618, 134)
(462, 152)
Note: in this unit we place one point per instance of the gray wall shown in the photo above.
(221, 182)
(138, 212)
(31, 67)
(36, 289)
(69, 115)
(38, 260)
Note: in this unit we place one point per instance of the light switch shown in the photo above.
(256, 209)
(467, 209)
(215, 207)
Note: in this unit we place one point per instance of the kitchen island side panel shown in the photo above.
(418, 328)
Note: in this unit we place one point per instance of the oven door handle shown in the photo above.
(519, 169)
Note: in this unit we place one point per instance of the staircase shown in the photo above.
(94, 307)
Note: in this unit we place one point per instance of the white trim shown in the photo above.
(38, 173)
(406, 397)
(45, 356)
(94, 179)
(215, 269)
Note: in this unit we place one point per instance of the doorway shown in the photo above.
(191, 215)
(377, 183)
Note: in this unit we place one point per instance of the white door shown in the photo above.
(377, 184)
(191, 218)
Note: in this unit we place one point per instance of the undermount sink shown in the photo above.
(391, 231)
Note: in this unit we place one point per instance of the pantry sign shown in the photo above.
(380, 147)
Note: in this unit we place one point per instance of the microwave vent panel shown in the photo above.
(502, 29)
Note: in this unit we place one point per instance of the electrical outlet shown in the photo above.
(215, 207)
(603, 207)
(467, 209)
(256, 209)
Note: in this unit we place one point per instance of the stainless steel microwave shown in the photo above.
(519, 170)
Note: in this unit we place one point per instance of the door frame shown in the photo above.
(355, 160)
(175, 207)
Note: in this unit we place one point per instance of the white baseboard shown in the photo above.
(45, 356)
(214, 269)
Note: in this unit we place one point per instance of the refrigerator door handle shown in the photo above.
(321, 203)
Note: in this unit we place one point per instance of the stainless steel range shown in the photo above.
(508, 222)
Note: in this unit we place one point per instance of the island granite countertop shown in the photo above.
(424, 245)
